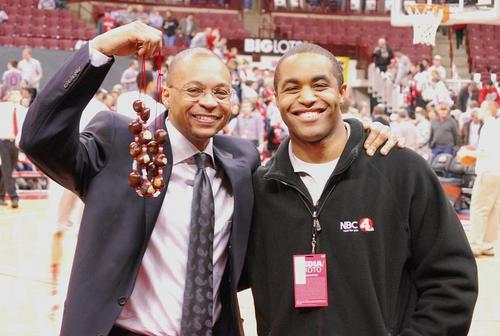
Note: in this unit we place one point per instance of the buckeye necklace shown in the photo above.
(146, 150)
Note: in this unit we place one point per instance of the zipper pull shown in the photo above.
(316, 224)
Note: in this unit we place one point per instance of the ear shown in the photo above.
(165, 96)
(343, 90)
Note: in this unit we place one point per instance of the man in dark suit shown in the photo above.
(133, 260)
(128, 279)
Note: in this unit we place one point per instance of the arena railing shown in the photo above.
(341, 7)
(216, 4)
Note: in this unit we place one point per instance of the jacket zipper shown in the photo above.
(314, 213)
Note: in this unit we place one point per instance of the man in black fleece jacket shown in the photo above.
(398, 262)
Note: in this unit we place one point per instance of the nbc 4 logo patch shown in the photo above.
(365, 224)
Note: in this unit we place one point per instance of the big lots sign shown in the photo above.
(268, 46)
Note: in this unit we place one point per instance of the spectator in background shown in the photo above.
(248, 124)
(459, 33)
(382, 55)
(126, 99)
(489, 92)
(466, 94)
(46, 4)
(247, 5)
(187, 29)
(11, 121)
(11, 78)
(124, 17)
(108, 22)
(423, 127)
(437, 66)
(170, 25)
(141, 15)
(3, 16)
(129, 77)
(485, 203)
(380, 115)
(438, 92)
(155, 19)
(220, 47)
(200, 40)
(444, 132)
(31, 70)
(213, 38)
(407, 130)
(470, 131)
(403, 67)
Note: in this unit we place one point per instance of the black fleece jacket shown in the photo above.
(414, 274)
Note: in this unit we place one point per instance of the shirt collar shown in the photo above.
(182, 148)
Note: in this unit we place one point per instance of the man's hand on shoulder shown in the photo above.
(379, 135)
(135, 38)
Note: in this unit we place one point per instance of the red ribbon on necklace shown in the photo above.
(146, 150)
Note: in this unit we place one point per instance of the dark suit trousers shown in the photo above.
(8, 155)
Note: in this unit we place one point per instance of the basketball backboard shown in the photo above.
(459, 12)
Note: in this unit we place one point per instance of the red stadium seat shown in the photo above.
(6, 41)
(24, 30)
(51, 31)
(67, 44)
(8, 29)
(36, 42)
(65, 22)
(52, 43)
(38, 21)
(20, 41)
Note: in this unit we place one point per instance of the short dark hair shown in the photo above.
(148, 75)
(303, 48)
(13, 63)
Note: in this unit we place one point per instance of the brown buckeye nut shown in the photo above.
(158, 183)
(153, 147)
(135, 127)
(143, 159)
(146, 188)
(134, 180)
(160, 136)
(161, 160)
(145, 114)
(138, 106)
(152, 169)
(145, 137)
(134, 149)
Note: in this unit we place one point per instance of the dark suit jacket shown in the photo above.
(117, 224)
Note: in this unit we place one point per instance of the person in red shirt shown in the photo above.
(489, 92)
(108, 22)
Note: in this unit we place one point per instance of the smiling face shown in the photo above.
(308, 97)
(195, 87)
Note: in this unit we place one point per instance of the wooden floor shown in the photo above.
(25, 291)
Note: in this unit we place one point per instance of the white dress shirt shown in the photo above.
(7, 120)
(155, 306)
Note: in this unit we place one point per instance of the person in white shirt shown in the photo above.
(437, 66)
(423, 132)
(46, 4)
(485, 203)
(31, 70)
(12, 115)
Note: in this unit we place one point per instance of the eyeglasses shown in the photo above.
(194, 93)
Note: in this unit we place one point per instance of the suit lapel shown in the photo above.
(153, 205)
(239, 176)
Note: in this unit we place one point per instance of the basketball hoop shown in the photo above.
(425, 19)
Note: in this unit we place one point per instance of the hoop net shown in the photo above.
(426, 20)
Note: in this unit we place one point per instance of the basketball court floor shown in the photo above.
(25, 290)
